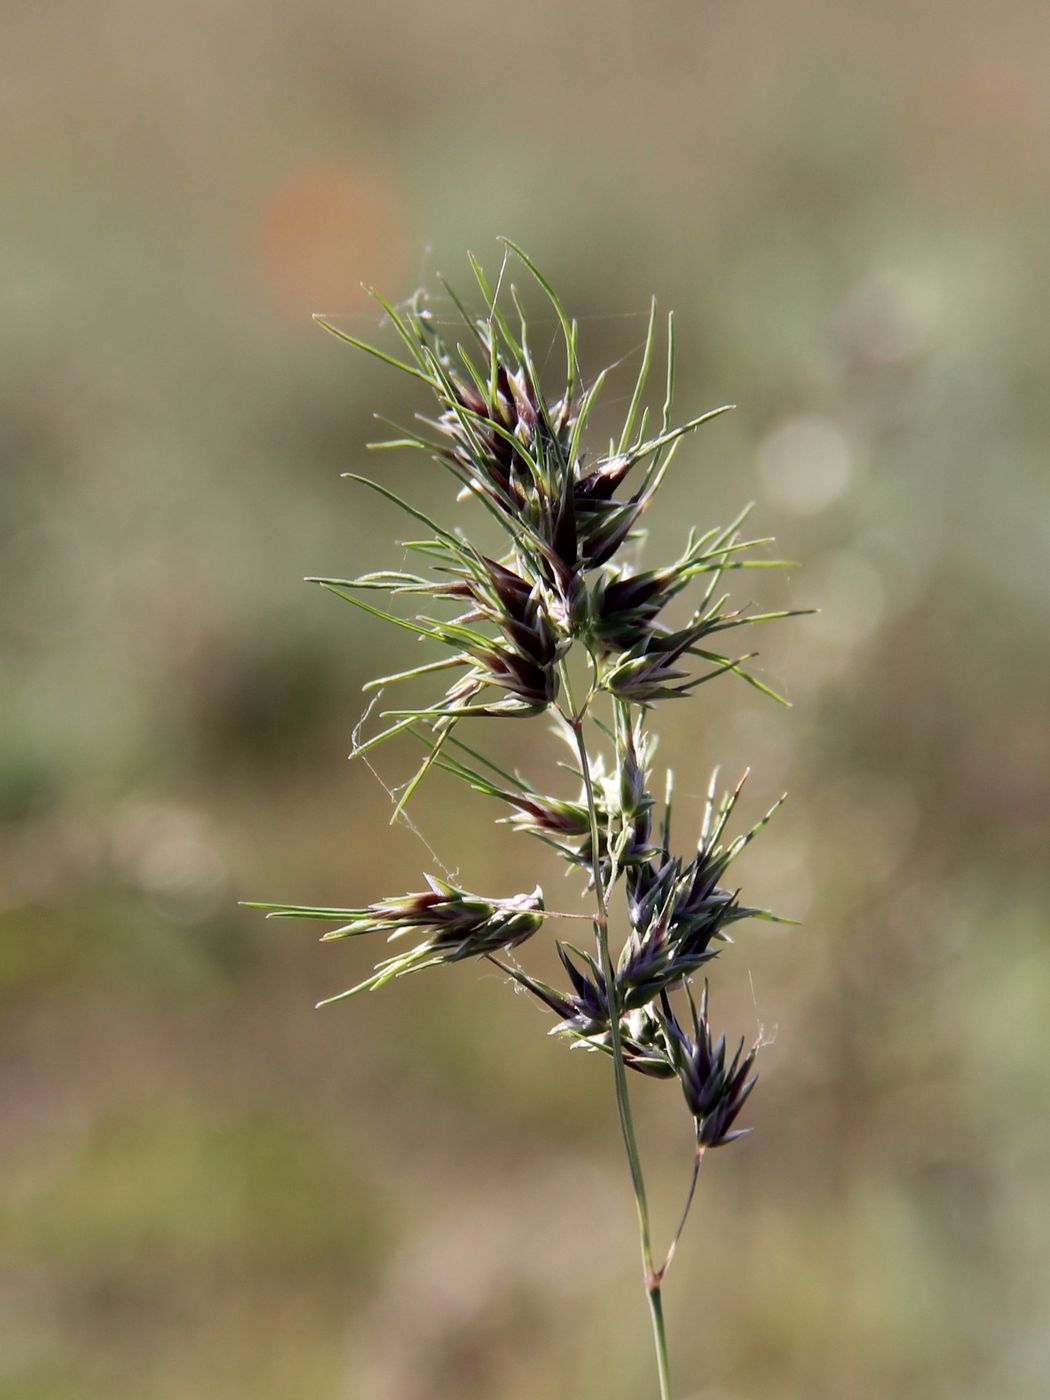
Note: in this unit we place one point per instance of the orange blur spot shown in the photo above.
(328, 227)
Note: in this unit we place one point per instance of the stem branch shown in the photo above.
(700, 1150)
(623, 1102)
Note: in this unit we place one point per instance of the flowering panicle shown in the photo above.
(453, 923)
(714, 1091)
(517, 656)
(677, 911)
(521, 454)
(560, 822)
(585, 1019)
(622, 803)
(623, 606)
(504, 623)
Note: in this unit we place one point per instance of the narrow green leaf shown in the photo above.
(445, 664)
(397, 500)
(303, 911)
(371, 350)
(559, 310)
(495, 315)
(467, 317)
(669, 394)
(581, 418)
(738, 670)
(639, 388)
(416, 344)
(421, 773)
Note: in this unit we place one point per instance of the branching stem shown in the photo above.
(697, 1160)
(623, 1102)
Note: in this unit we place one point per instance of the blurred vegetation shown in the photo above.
(206, 1188)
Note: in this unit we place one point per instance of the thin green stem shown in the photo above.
(697, 1162)
(623, 1102)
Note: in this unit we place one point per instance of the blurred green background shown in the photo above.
(206, 1188)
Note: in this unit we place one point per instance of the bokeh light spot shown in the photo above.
(806, 463)
(329, 226)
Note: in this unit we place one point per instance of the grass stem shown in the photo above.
(623, 1102)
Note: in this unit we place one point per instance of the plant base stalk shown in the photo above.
(656, 1313)
(623, 1102)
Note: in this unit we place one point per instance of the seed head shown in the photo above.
(585, 1021)
(714, 1091)
(504, 622)
(452, 924)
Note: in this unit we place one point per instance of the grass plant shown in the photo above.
(507, 632)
